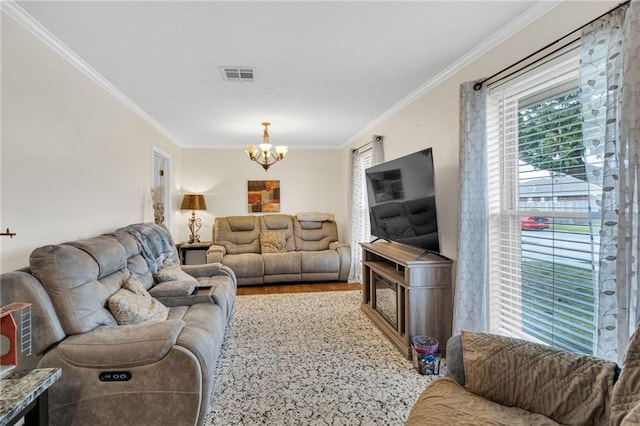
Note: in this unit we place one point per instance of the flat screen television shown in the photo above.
(401, 198)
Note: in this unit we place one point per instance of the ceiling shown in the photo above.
(325, 71)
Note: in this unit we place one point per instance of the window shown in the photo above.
(360, 224)
(543, 240)
(364, 162)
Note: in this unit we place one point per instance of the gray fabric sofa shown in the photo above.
(170, 363)
(503, 381)
(308, 249)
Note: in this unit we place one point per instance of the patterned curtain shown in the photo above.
(469, 311)
(377, 150)
(610, 165)
(628, 277)
(357, 203)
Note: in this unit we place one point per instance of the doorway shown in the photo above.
(161, 187)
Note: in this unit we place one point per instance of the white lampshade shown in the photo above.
(265, 147)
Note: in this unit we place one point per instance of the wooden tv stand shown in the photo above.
(405, 297)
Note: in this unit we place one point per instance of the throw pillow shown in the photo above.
(132, 304)
(399, 227)
(173, 272)
(625, 401)
(273, 242)
(133, 284)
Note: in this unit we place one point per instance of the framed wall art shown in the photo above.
(263, 196)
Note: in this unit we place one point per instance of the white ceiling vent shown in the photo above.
(240, 74)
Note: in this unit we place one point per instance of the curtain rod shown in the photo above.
(373, 138)
(479, 84)
(361, 146)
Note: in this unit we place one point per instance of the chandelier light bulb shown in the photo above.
(265, 154)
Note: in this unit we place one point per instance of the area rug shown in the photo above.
(310, 359)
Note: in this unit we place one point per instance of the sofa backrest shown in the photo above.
(135, 261)
(154, 243)
(79, 278)
(238, 234)
(314, 232)
(282, 223)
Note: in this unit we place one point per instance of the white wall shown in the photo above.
(310, 180)
(432, 119)
(75, 161)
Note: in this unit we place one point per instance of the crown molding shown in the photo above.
(18, 14)
(530, 15)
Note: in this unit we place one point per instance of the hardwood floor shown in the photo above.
(245, 290)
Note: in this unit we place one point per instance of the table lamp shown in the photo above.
(193, 202)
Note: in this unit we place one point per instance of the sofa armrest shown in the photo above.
(208, 269)
(455, 362)
(121, 346)
(173, 288)
(22, 286)
(193, 299)
(344, 252)
(215, 253)
(211, 270)
(566, 387)
(337, 245)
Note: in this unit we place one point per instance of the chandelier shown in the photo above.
(266, 154)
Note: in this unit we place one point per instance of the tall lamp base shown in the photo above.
(194, 224)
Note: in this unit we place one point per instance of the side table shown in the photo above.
(193, 253)
(25, 394)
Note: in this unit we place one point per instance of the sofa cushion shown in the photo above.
(106, 251)
(121, 347)
(282, 263)
(282, 223)
(133, 284)
(445, 402)
(70, 276)
(310, 237)
(237, 234)
(626, 392)
(132, 304)
(320, 261)
(245, 265)
(566, 387)
(273, 242)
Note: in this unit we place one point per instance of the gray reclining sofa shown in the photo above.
(276, 248)
(170, 363)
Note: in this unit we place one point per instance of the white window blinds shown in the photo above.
(542, 241)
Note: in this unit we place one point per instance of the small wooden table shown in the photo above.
(185, 247)
(25, 393)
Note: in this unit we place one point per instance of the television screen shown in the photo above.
(401, 197)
